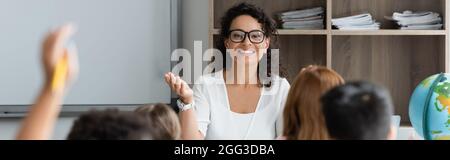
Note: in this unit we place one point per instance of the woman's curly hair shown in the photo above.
(268, 26)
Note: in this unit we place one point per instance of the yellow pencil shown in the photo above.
(60, 73)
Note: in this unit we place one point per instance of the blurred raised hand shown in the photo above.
(56, 48)
(60, 63)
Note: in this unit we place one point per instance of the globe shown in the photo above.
(429, 108)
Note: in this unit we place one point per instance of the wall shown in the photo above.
(195, 24)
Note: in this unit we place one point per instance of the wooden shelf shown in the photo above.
(387, 32)
(391, 32)
(396, 59)
(290, 32)
(301, 32)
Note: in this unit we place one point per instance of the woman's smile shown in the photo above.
(242, 52)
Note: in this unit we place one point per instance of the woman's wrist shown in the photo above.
(188, 100)
(184, 106)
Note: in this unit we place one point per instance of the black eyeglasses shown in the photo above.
(255, 36)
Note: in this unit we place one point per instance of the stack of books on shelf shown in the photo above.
(312, 18)
(356, 22)
(409, 20)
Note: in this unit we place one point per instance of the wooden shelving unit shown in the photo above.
(396, 59)
(390, 32)
(290, 32)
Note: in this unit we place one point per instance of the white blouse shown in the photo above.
(216, 121)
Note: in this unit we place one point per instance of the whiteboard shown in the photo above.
(124, 49)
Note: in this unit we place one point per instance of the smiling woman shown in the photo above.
(236, 102)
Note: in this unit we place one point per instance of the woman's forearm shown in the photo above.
(188, 118)
(38, 125)
(189, 126)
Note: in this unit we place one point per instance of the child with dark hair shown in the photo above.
(358, 111)
(111, 124)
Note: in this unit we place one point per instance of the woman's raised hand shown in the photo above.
(180, 87)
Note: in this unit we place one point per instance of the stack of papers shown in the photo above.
(356, 22)
(409, 20)
(303, 19)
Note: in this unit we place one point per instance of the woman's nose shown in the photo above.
(247, 41)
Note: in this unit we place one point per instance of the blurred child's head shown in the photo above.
(163, 120)
(303, 118)
(358, 111)
(111, 124)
